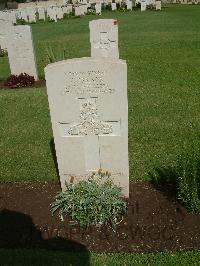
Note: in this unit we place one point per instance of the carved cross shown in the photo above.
(105, 43)
(91, 128)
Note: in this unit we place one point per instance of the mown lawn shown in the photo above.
(43, 257)
(162, 50)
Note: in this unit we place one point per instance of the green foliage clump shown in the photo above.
(96, 201)
(182, 181)
(189, 179)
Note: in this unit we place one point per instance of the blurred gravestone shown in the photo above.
(158, 5)
(113, 6)
(5, 29)
(98, 8)
(41, 13)
(104, 38)
(143, 5)
(21, 51)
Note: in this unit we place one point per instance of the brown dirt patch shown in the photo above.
(153, 222)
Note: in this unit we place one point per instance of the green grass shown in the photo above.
(42, 257)
(162, 50)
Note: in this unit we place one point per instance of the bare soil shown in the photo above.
(154, 222)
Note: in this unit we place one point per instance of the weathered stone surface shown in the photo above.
(104, 38)
(21, 51)
(89, 114)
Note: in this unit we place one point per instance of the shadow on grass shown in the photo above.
(53, 152)
(165, 179)
(17, 231)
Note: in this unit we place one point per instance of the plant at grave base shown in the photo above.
(3, 53)
(17, 81)
(96, 201)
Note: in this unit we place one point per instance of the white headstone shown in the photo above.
(98, 8)
(65, 10)
(104, 38)
(114, 6)
(31, 14)
(89, 115)
(51, 13)
(21, 51)
(24, 15)
(41, 13)
(129, 5)
(79, 11)
(69, 8)
(18, 14)
(59, 12)
(143, 5)
(5, 29)
(84, 8)
(158, 5)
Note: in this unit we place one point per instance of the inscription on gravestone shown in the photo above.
(104, 38)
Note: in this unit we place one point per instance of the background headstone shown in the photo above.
(24, 15)
(5, 30)
(41, 13)
(89, 115)
(21, 51)
(113, 6)
(158, 5)
(104, 38)
(129, 5)
(51, 14)
(79, 10)
(59, 12)
(31, 14)
(143, 5)
(98, 8)
(70, 8)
